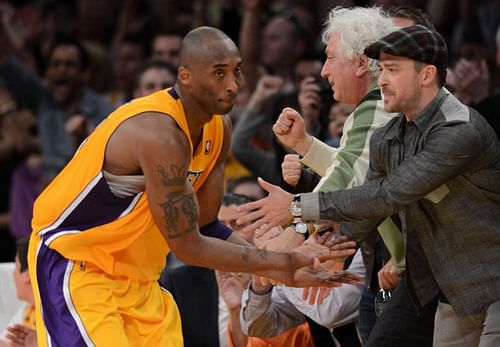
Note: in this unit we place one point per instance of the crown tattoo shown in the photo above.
(176, 178)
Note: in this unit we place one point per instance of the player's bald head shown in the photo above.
(205, 45)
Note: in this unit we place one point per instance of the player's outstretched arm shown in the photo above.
(163, 154)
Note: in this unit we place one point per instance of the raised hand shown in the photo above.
(290, 130)
(272, 210)
(326, 247)
(231, 287)
(267, 87)
(309, 98)
(264, 235)
(291, 169)
(319, 294)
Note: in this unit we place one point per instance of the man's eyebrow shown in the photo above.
(216, 65)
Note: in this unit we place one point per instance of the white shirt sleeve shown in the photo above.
(339, 308)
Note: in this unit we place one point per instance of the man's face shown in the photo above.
(153, 80)
(216, 80)
(127, 61)
(337, 117)
(228, 216)
(306, 68)
(277, 42)
(64, 73)
(21, 281)
(340, 72)
(166, 48)
(400, 84)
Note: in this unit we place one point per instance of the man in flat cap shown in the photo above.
(438, 166)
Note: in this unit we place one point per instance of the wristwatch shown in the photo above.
(296, 206)
(300, 228)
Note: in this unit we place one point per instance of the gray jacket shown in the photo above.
(441, 173)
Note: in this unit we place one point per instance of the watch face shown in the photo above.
(301, 228)
(295, 209)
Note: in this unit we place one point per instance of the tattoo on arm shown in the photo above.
(246, 254)
(178, 204)
(262, 253)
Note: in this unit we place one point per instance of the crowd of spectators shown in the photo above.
(66, 64)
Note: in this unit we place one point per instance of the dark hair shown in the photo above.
(235, 199)
(67, 40)
(413, 13)
(440, 73)
(138, 40)
(22, 252)
(154, 64)
(234, 182)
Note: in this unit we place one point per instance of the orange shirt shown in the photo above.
(300, 336)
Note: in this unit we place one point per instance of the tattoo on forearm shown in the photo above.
(246, 254)
(262, 253)
(178, 204)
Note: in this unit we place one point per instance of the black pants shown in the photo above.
(401, 325)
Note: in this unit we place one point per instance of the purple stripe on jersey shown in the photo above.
(173, 93)
(100, 206)
(60, 324)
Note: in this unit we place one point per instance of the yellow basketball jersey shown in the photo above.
(79, 217)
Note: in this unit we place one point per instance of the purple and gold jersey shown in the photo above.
(79, 223)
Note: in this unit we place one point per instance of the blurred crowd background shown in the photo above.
(66, 64)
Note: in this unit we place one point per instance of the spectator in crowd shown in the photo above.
(63, 102)
(271, 48)
(20, 174)
(165, 46)
(128, 56)
(337, 117)
(248, 186)
(153, 76)
(426, 177)
(21, 329)
(269, 310)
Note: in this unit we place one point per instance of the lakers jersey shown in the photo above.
(81, 219)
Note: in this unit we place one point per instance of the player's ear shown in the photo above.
(184, 76)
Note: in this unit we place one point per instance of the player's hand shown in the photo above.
(318, 277)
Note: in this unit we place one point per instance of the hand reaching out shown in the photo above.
(272, 210)
(231, 287)
(264, 235)
(319, 294)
